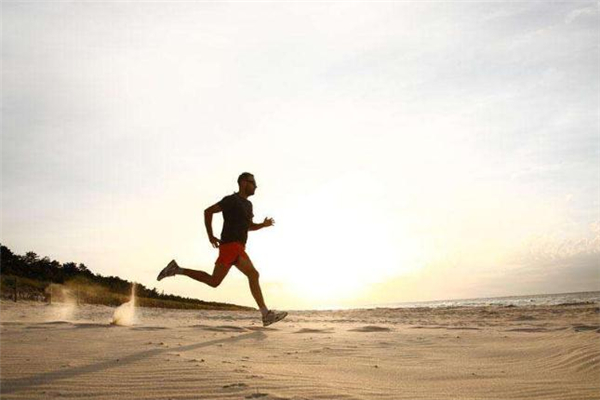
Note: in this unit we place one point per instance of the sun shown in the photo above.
(326, 252)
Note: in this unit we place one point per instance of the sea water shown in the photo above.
(528, 300)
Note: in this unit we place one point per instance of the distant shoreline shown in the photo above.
(533, 299)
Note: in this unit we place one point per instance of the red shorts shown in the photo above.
(229, 253)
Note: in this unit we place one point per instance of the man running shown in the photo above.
(237, 221)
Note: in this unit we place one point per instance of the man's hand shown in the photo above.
(268, 222)
(214, 241)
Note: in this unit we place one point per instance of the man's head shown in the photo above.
(247, 184)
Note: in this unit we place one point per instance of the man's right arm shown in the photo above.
(208, 213)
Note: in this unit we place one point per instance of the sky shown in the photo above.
(408, 151)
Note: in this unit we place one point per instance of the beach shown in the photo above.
(485, 352)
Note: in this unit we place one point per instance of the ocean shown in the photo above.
(536, 299)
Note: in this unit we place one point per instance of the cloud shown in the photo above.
(548, 248)
(580, 13)
(554, 263)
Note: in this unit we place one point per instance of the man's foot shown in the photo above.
(273, 316)
(171, 269)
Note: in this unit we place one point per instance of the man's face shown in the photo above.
(250, 183)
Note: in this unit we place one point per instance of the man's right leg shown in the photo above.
(214, 280)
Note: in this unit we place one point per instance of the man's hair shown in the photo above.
(244, 176)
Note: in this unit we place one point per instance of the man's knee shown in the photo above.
(246, 267)
(216, 281)
(218, 275)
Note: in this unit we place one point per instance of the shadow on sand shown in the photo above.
(15, 385)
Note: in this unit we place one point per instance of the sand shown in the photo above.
(543, 352)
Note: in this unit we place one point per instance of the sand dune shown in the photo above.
(472, 353)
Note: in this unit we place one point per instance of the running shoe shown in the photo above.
(171, 269)
(273, 316)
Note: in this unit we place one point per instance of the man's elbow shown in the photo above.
(212, 210)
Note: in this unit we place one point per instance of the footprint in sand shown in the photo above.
(371, 328)
(256, 395)
(235, 386)
(308, 330)
(221, 328)
(583, 328)
(528, 330)
(265, 396)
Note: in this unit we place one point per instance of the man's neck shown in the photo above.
(243, 195)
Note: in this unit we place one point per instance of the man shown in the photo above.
(237, 221)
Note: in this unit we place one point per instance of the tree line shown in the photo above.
(43, 269)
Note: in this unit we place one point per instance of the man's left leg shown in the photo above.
(244, 264)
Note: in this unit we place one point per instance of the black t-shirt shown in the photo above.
(237, 216)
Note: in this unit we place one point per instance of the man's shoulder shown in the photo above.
(241, 199)
(226, 201)
(235, 198)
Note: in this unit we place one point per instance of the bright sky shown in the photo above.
(407, 151)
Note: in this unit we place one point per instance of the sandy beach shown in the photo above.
(499, 352)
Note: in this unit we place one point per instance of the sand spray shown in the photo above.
(64, 304)
(125, 314)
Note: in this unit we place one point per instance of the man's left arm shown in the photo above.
(266, 223)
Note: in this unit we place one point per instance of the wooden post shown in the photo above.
(15, 289)
(50, 292)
